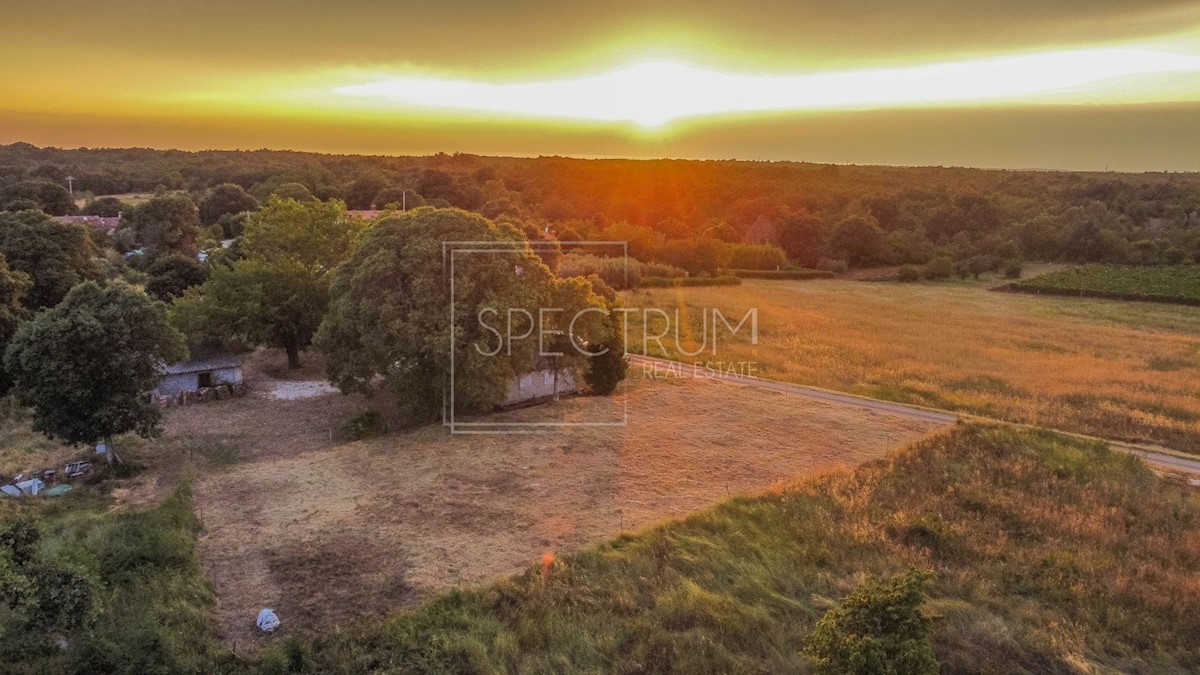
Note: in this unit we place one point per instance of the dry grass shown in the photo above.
(326, 533)
(1115, 369)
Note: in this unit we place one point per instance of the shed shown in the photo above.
(539, 385)
(199, 373)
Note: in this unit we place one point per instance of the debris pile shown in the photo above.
(48, 482)
(218, 393)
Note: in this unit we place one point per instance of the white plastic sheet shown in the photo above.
(267, 620)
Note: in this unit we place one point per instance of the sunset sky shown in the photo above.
(1022, 83)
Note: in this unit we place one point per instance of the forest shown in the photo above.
(695, 215)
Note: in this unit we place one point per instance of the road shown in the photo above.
(1158, 458)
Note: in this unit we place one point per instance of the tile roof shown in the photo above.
(214, 362)
(99, 222)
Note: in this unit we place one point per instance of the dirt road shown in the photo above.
(1162, 459)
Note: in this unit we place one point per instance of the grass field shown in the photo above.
(1176, 284)
(1121, 370)
(328, 532)
(1047, 555)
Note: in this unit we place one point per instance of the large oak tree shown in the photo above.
(389, 313)
(87, 366)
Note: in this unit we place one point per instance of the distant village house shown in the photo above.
(102, 223)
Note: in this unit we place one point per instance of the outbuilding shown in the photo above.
(199, 373)
(541, 384)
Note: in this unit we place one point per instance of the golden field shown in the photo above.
(1115, 369)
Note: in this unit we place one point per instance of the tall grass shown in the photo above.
(153, 607)
(1047, 555)
(1115, 369)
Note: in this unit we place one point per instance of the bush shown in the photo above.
(908, 273)
(618, 273)
(941, 267)
(878, 628)
(606, 370)
(1013, 269)
(1173, 256)
(362, 426)
(757, 257)
(654, 269)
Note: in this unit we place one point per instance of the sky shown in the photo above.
(1092, 85)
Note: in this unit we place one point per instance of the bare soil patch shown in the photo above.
(327, 533)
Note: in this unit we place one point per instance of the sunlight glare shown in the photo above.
(654, 93)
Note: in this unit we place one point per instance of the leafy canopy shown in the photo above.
(277, 293)
(86, 367)
(389, 313)
(54, 255)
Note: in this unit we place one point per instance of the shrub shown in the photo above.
(662, 282)
(606, 370)
(941, 267)
(878, 628)
(1013, 269)
(908, 273)
(362, 426)
(619, 273)
(1173, 256)
(757, 257)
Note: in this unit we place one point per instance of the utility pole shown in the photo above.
(71, 186)
(404, 200)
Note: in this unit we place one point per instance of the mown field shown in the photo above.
(1044, 555)
(1128, 371)
(1177, 284)
(1047, 556)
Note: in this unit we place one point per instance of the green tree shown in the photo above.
(51, 198)
(55, 256)
(277, 293)
(389, 312)
(908, 273)
(87, 366)
(360, 193)
(296, 191)
(167, 222)
(13, 287)
(940, 267)
(876, 630)
(398, 197)
(170, 275)
(802, 236)
(607, 365)
(226, 199)
(107, 207)
(860, 241)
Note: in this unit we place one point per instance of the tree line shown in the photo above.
(678, 212)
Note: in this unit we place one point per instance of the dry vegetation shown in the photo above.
(1116, 369)
(1047, 555)
(326, 532)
